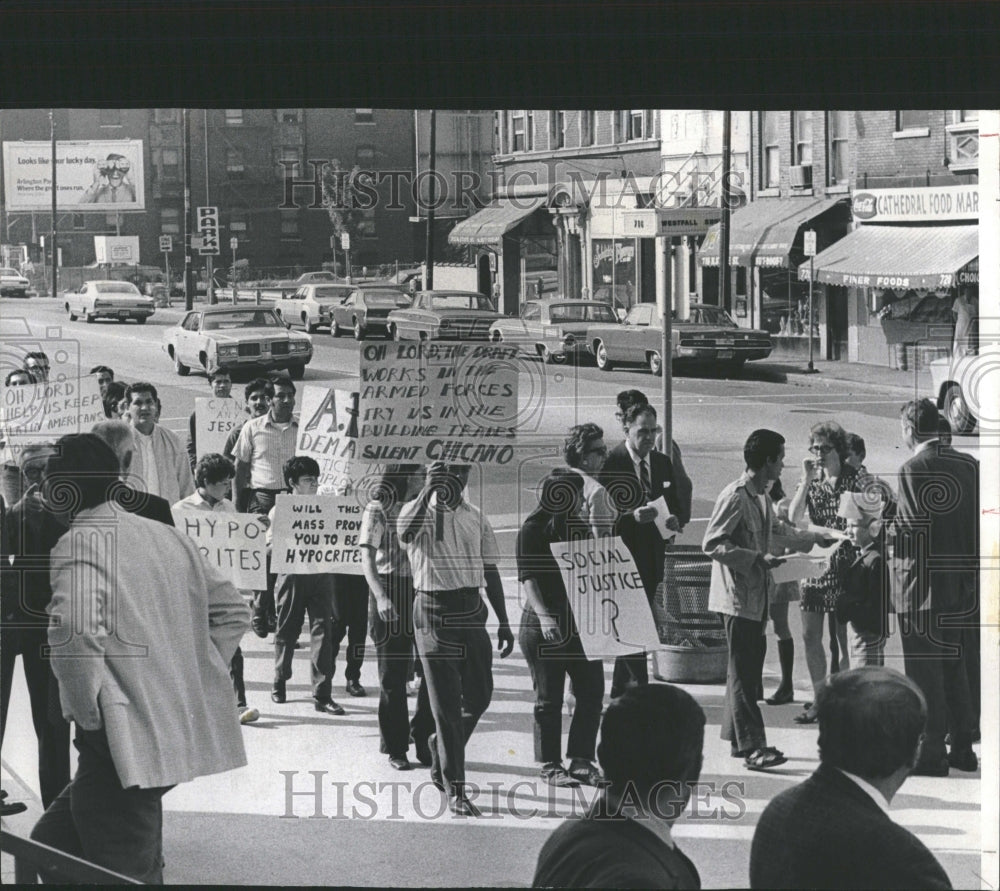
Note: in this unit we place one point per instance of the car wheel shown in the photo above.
(394, 333)
(335, 328)
(601, 355)
(141, 320)
(179, 366)
(297, 372)
(311, 329)
(422, 337)
(497, 337)
(957, 411)
(548, 357)
(90, 318)
(72, 315)
(359, 331)
(655, 363)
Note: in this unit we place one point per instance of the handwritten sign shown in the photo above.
(37, 413)
(422, 402)
(214, 420)
(232, 542)
(607, 597)
(316, 533)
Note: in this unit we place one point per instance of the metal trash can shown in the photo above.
(693, 640)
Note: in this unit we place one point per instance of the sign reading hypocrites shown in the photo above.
(214, 420)
(233, 543)
(423, 402)
(312, 534)
(43, 412)
(607, 597)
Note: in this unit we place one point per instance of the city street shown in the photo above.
(373, 826)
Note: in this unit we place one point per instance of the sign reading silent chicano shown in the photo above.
(233, 543)
(313, 534)
(214, 420)
(454, 402)
(607, 597)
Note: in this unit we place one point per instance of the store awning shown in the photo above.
(490, 224)
(763, 232)
(897, 257)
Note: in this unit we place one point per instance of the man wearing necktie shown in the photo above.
(635, 476)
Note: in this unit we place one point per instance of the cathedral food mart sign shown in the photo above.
(916, 205)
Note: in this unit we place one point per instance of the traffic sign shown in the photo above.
(809, 243)
(234, 243)
(208, 226)
(166, 244)
(345, 241)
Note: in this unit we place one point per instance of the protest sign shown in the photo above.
(214, 420)
(607, 597)
(43, 412)
(234, 543)
(454, 402)
(312, 534)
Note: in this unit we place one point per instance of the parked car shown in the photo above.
(444, 315)
(317, 278)
(12, 283)
(237, 337)
(959, 388)
(311, 305)
(109, 300)
(553, 329)
(367, 309)
(708, 335)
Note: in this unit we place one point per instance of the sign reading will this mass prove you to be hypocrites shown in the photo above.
(313, 534)
(233, 543)
(454, 402)
(607, 597)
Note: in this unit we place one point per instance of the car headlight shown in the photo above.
(229, 352)
(297, 346)
(444, 323)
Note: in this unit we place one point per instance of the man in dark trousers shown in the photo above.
(634, 476)
(835, 830)
(651, 752)
(935, 570)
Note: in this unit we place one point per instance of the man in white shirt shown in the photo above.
(160, 459)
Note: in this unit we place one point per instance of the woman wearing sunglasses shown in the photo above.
(111, 184)
(825, 476)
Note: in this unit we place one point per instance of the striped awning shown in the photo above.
(489, 225)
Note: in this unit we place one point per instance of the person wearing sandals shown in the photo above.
(742, 537)
(784, 594)
(549, 638)
(826, 475)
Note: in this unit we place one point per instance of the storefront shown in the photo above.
(897, 276)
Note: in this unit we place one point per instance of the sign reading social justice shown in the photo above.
(43, 412)
(214, 420)
(423, 402)
(607, 597)
(312, 534)
(233, 543)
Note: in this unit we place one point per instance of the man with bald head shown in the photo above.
(119, 436)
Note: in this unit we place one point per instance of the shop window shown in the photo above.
(166, 115)
(802, 135)
(289, 225)
(170, 164)
(557, 129)
(364, 115)
(170, 220)
(235, 168)
(79, 221)
(110, 117)
(290, 115)
(838, 135)
(913, 123)
(234, 117)
(364, 157)
(586, 127)
(770, 160)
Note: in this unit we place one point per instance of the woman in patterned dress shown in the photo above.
(825, 476)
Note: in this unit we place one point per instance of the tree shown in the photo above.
(343, 200)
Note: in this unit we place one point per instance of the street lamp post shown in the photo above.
(55, 220)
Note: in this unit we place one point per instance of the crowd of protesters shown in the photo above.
(428, 553)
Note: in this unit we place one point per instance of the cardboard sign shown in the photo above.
(234, 543)
(607, 597)
(423, 402)
(38, 413)
(214, 420)
(313, 534)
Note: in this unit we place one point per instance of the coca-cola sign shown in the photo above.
(863, 206)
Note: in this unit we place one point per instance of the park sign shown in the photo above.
(233, 543)
(313, 534)
(453, 402)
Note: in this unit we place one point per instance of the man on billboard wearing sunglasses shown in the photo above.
(111, 184)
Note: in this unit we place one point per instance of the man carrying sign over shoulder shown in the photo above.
(451, 548)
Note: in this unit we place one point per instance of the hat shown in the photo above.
(860, 506)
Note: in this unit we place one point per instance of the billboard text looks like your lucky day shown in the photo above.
(97, 175)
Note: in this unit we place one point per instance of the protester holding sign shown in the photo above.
(222, 384)
(585, 452)
(258, 395)
(549, 638)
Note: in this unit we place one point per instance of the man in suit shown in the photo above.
(119, 437)
(145, 679)
(834, 830)
(634, 476)
(935, 568)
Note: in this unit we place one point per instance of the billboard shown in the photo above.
(99, 175)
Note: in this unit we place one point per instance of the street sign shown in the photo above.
(234, 243)
(208, 226)
(166, 244)
(809, 242)
(345, 241)
(197, 242)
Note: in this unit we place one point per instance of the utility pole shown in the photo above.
(431, 202)
(55, 219)
(666, 355)
(724, 270)
(209, 266)
(186, 138)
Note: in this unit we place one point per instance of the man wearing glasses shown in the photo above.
(111, 184)
(37, 365)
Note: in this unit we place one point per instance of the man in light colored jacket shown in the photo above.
(741, 538)
(145, 677)
(160, 459)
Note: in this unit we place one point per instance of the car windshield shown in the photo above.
(6, 271)
(461, 301)
(250, 318)
(581, 312)
(712, 315)
(318, 277)
(116, 288)
(391, 299)
(332, 293)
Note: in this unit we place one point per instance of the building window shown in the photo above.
(165, 115)
(364, 157)
(913, 120)
(770, 151)
(290, 115)
(235, 168)
(364, 115)
(170, 164)
(802, 136)
(620, 126)
(237, 220)
(586, 127)
(234, 117)
(79, 221)
(170, 221)
(636, 124)
(967, 116)
(291, 156)
(557, 129)
(366, 225)
(839, 164)
(518, 142)
(289, 225)
(529, 129)
(110, 117)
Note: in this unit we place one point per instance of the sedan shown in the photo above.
(709, 335)
(233, 337)
(12, 283)
(444, 315)
(367, 309)
(553, 329)
(109, 300)
(323, 276)
(311, 305)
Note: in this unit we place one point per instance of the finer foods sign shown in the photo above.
(92, 175)
(915, 205)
